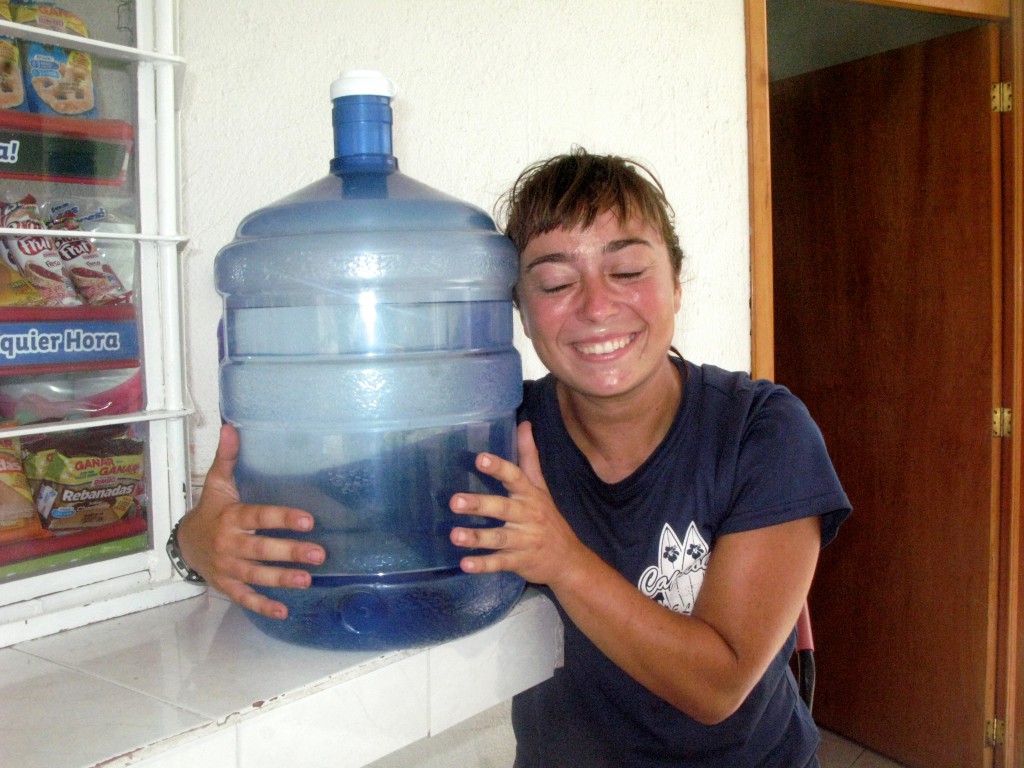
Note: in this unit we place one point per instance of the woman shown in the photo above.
(674, 512)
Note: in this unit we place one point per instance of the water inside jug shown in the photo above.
(367, 359)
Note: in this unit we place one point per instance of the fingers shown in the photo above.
(521, 482)
(497, 539)
(249, 598)
(217, 539)
(222, 538)
(223, 465)
(237, 567)
(266, 517)
(263, 575)
(533, 539)
(529, 458)
(497, 507)
(239, 553)
(515, 480)
(487, 564)
(253, 547)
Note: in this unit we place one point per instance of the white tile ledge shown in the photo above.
(195, 683)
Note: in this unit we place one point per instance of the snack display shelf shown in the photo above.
(88, 45)
(35, 555)
(87, 569)
(74, 150)
(94, 422)
(97, 235)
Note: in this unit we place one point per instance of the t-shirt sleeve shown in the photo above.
(783, 471)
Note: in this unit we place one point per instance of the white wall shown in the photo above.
(486, 86)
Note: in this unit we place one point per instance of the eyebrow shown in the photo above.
(561, 257)
(618, 245)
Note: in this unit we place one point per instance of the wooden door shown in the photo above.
(885, 208)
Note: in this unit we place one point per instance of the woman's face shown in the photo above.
(599, 304)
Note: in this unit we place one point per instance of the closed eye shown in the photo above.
(555, 288)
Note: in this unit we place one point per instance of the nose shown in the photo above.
(597, 299)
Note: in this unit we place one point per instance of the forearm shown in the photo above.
(680, 658)
(705, 663)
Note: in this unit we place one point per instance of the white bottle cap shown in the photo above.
(362, 82)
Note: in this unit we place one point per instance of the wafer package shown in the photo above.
(12, 82)
(95, 280)
(16, 508)
(35, 256)
(84, 480)
(59, 81)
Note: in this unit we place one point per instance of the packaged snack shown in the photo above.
(15, 290)
(61, 396)
(16, 508)
(36, 256)
(100, 217)
(88, 211)
(84, 480)
(22, 531)
(59, 81)
(94, 279)
(12, 87)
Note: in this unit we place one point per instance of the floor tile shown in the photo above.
(836, 752)
(871, 760)
(483, 741)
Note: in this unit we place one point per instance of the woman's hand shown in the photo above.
(217, 538)
(535, 541)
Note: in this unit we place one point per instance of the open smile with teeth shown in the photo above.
(605, 347)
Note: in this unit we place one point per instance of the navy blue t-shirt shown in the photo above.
(740, 455)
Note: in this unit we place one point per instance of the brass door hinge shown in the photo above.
(995, 733)
(1002, 422)
(1002, 97)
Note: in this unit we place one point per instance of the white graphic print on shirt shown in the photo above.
(676, 580)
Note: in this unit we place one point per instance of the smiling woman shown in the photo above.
(673, 512)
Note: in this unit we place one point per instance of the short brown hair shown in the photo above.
(572, 190)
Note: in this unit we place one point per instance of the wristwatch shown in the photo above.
(174, 552)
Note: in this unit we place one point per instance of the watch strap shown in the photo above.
(174, 553)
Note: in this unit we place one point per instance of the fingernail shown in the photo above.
(305, 524)
(458, 502)
(315, 556)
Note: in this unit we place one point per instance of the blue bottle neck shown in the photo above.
(362, 135)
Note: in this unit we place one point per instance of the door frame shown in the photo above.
(1009, 703)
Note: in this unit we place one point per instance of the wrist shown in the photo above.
(178, 561)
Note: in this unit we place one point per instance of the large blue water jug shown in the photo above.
(367, 359)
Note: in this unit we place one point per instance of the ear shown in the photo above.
(677, 300)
